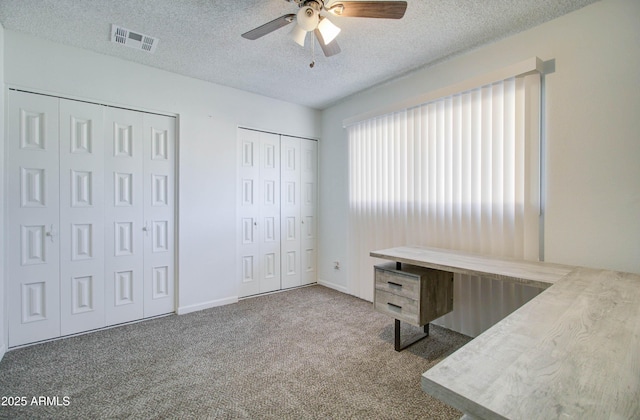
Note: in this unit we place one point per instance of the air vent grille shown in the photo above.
(133, 39)
(148, 43)
(121, 36)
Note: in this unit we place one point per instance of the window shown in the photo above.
(458, 172)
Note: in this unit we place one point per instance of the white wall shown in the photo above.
(208, 118)
(593, 148)
(4, 338)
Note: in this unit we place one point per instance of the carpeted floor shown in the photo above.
(306, 353)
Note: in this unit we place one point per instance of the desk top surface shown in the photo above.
(571, 352)
(533, 273)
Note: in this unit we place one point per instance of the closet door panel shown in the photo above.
(81, 217)
(124, 222)
(33, 282)
(258, 212)
(159, 204)
(308, 212)
(269, 217)
(249, 267)
(291, 234)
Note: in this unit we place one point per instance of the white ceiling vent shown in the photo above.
(132, 39)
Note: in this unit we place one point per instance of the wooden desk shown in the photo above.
(571, 352)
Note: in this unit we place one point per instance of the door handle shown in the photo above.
(145, 228)
(51, 234)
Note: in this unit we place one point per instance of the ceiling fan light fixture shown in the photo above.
(336, 9)
(298, 35)
(307, 18)
(328, 30)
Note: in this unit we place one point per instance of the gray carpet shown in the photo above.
(306, 353)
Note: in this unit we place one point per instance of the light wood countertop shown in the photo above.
(571, 352)
(533, 273)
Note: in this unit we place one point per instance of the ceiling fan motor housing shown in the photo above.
(308, 18)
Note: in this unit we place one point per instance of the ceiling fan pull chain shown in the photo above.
(313, 51)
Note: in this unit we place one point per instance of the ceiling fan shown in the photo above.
(313, 17)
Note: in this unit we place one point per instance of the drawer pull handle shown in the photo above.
(392, 284)
(397, 307)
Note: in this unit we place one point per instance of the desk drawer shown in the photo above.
(398, 283)
(416, 295)
(399, 307)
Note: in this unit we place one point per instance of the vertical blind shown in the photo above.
(459, 172)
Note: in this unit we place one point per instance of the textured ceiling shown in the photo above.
(201, 39)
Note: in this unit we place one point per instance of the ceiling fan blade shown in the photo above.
(329, 49)
(269, 27)
(370, 9)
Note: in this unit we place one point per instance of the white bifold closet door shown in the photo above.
(91, 214)
(139, 224)
(291, 234)
(298, 210)
(308, 210)
(259, 212)
(82, 232)
(276, 212)
(33, 212)
(124, 218)
(159, 224)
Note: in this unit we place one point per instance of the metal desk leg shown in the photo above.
(397, 342)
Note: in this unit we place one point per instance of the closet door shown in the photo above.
(248, 212)
(308, 206)
(291, 237)
(259, 212)
(90, 210)
(269, 218)
(81, 217)
(33, 261)
(159, 202)
(124, 222)
(299, 224)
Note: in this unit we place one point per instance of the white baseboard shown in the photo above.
(333, 286)
(206, 305)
